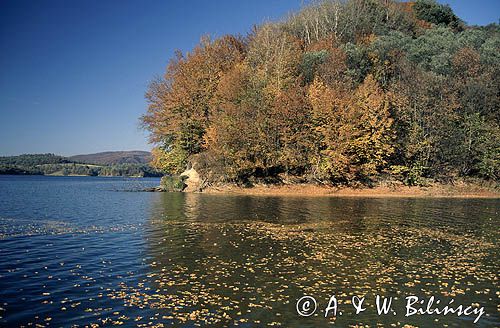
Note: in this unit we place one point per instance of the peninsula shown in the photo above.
(344, 94)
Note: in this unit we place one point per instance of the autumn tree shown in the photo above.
(354, 133)
(333, 124)
(179, 110)
(373, 145)
(251, 129)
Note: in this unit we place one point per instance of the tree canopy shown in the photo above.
(339, 92)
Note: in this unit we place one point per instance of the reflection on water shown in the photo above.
(255, 256)
(173, 259)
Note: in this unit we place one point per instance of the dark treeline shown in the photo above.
(50, 164)
(340, 92)
(31, 160)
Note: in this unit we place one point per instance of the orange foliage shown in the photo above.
(354, 132)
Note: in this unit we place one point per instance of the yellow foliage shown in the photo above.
(355, 135)
(172, 162)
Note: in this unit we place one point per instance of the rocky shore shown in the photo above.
(191, 181)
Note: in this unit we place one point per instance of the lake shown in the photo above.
(93, 251)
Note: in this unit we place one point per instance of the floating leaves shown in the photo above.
(202, 272)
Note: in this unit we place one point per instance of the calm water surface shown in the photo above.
(92, 252)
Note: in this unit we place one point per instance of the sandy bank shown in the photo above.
(437, 190)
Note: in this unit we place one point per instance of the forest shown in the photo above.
(50, 164)
(338, 93)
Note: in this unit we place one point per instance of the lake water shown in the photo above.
(77, 251)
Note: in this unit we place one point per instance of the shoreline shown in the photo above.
(80, 175)
(309, 190)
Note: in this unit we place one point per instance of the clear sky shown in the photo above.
(73, 73)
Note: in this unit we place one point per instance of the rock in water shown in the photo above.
(192, 179)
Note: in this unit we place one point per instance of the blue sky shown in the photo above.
(73, 73)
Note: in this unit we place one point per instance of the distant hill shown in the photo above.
(33, 160)
(114, 157)
(113, 163)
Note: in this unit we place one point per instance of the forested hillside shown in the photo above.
(114, 157)
(50, 164)
(340, 92)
